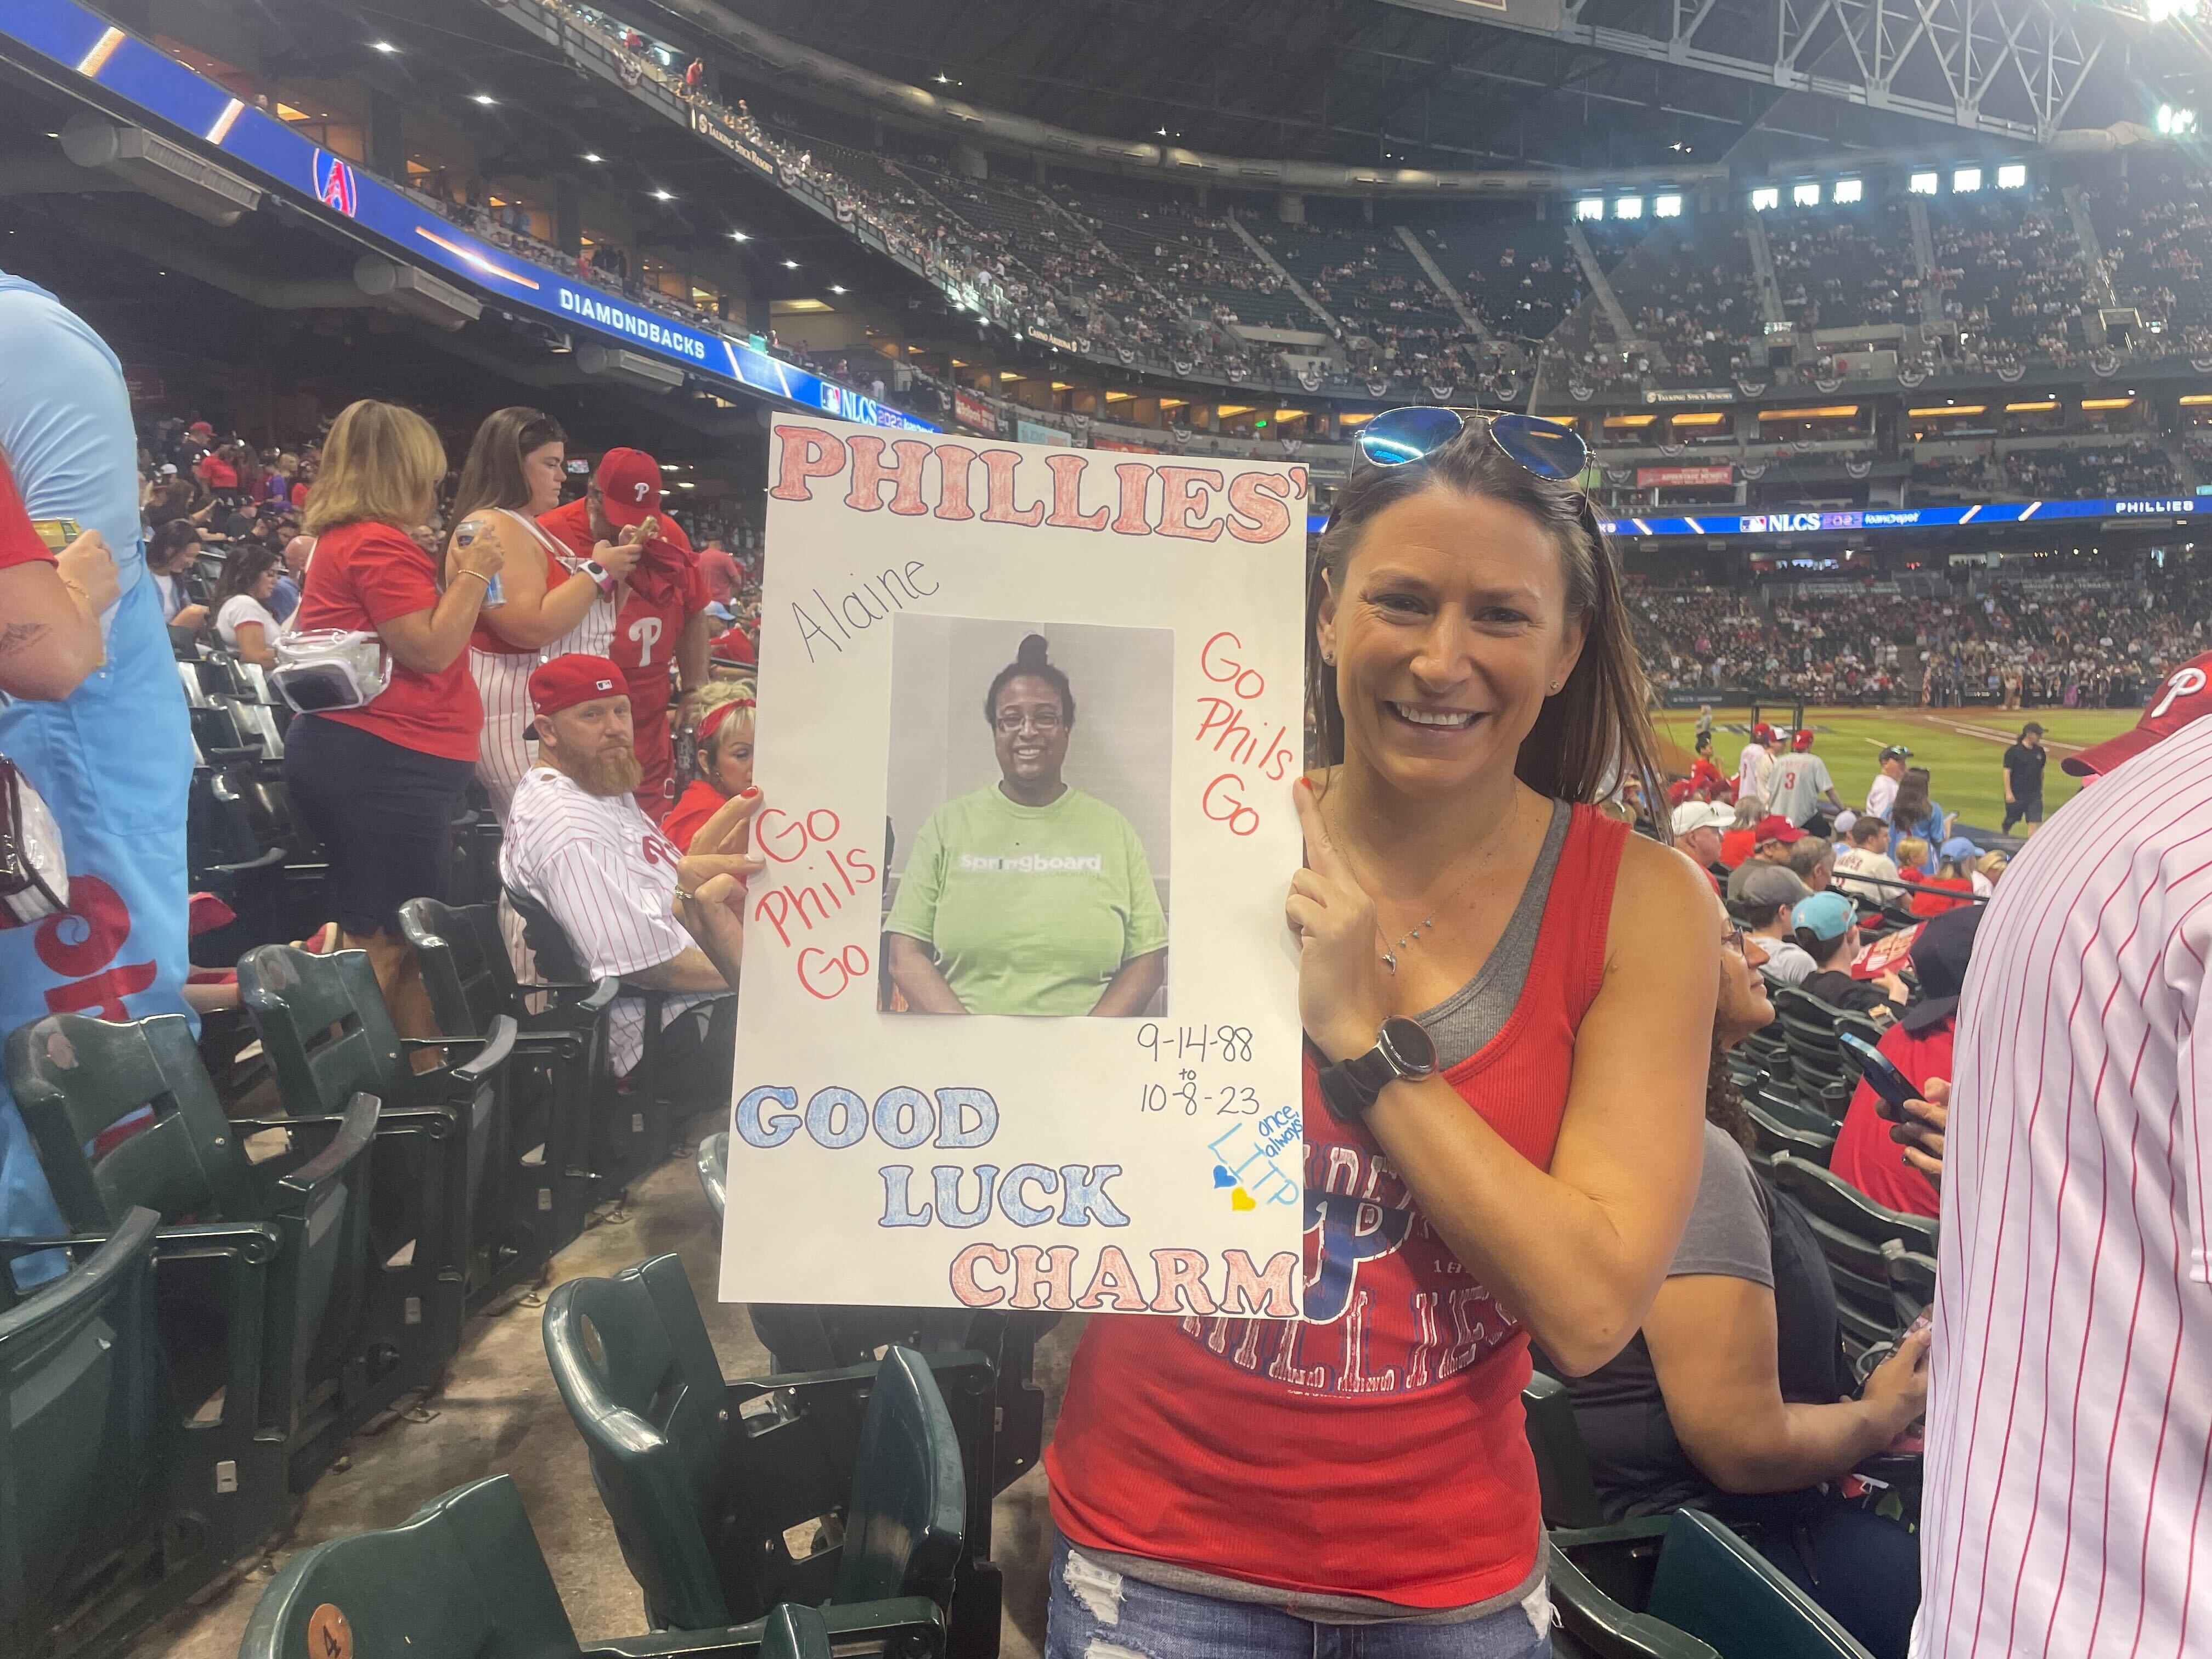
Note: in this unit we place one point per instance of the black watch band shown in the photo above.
(1403, 1048)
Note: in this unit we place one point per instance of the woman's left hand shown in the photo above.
(1344, 993)
(716, 867)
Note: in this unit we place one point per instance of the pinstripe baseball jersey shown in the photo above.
(2070, 1421)
(609, 878)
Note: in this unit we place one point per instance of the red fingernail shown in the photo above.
(747, 795)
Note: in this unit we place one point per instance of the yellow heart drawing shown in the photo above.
(1240, 1200)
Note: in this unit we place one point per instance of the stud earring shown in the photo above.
(1327, 660)
(1555, 686)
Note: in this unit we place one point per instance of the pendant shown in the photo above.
(1390, 962)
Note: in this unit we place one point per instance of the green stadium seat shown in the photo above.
(1712, 1585)
(715, 1168)
(442, 1149)
(1911, 1281)
(300, 1216)
(114, 1509)
(1591, 1624)
(635, 1127)
(560, 1059)
(795, 1632)
(1779, 1132)
(729, 1497)
(1852, 1230)
(462, 1577)
(1563, 1466)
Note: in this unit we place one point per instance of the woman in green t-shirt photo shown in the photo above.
(1027, 897)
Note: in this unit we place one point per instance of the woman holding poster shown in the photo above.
(1027, 897)
(1508, 1001)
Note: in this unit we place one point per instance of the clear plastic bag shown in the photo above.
(330, 668)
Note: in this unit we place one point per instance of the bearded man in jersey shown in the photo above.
(662, 624)
(632, 906)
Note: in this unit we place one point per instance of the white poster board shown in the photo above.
(1031, 1156)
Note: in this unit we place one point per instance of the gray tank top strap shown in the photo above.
(1468, 1019)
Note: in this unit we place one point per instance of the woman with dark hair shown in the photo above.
(1735, 1396)
(544, 606)
(1028, 896)
(242, 617)
(1508, 1002)
(1915, 814)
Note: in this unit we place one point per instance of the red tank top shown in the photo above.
(1376, 1449)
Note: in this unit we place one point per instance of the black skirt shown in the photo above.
(386, 813)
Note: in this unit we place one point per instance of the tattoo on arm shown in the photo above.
(17, 636)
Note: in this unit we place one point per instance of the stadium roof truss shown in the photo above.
(2010, 68)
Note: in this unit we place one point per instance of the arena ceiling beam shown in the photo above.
(2011, 69)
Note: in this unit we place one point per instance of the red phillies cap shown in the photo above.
(629, 487)
(567, 681)
(2184, 695)
(1803, 740)
(1772, 827)
(1762, 732)
(203, 427)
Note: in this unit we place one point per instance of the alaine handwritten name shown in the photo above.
(939, 480)
(1024, 1276)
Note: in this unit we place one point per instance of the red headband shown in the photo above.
(712, 723)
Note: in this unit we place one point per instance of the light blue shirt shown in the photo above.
(113, 759)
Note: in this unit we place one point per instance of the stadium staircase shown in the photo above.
(1762, 267)
(1329, 322)
(1923, 260)
(1443, 284)
(1601, 289)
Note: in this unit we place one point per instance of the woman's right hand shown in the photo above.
(477, 549)
(1897, 1388)
(1343, 995)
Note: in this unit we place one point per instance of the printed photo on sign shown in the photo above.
(1018, 1024)
(1029, 823)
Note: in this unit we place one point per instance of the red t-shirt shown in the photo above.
(1737, 845)
(216, 472)
(367, 572)
(1928, 902)
(1378, 1448)
(1865, 1156)
(689, 815)
(20, 541)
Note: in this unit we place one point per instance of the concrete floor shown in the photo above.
(498, 1414)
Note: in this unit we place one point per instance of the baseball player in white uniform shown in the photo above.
(2070, 1422)
(1753, 763)
(577, 843)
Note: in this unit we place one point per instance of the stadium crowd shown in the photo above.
(2091, 644)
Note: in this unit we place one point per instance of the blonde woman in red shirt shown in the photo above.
(381, 784)
(1508, 1001)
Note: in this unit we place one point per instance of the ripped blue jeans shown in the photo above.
(1099, 1614)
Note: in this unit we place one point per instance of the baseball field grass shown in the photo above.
(1962, 748)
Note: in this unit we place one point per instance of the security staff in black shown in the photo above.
(2023, 765)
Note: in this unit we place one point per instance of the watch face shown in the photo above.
(1412, 1051)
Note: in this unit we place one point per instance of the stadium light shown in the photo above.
(1848, 190)
(663, 195)
(739, 236)
(1667, 207)
(2013, 176)
(1965, 181)
(385, 46)
(1590, 207)
(2176, 122)
(2161, 11)
(1805, 195)
(1628, 207)
(592, 156)
(1765, 198)
(1922, 184)
(791, 265)
(484, 98)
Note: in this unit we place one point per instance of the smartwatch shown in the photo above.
(1403, 1048)
(599, 573)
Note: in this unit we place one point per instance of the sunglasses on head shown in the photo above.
(1400, 437)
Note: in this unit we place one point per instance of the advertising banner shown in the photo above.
(1647, 478)
(972, 412)
(1036, 431)
(1018, 1025)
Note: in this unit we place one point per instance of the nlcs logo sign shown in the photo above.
(335, 183)
(1767, 524)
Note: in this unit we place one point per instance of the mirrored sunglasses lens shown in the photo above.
(1399, 436)
(1545, 447)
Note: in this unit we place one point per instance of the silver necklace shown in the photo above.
(1428, 923)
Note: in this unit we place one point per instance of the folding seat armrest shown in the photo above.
(902, 1625)
(267, 860)
(356, 1131)
(493, 1051)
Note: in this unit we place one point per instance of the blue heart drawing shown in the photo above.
(1222, 1178)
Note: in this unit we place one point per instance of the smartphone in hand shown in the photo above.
(1891, 1086)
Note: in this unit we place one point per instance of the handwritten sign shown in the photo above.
(1018, 1023)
